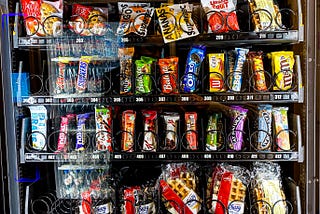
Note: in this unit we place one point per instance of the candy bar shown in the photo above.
(191, 130)
(216, 72)
(126, 74)
(236, 81)
(82, 78)
(193, 64)
(60, 80)
(169, 75)
(81, 138)
(128, 128)
(214, 139)
(280, 115)
(255, 59)
(39, 119)
(264, 127)
(171, 127)
(103, 120)
(150, 130)
(236, 141)
(63, 134)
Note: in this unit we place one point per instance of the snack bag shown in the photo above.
(63, 139)
(266, 15)
(282, 69)
(178, 186)
(267, 188)
(214, 140)
(236, 138)
(169, 75)
(103, 120)
(128, 128)
(237, 75)
(191, 129)
(176, 22)
(221, 15)
(171, 120)
(226, 189)
(126, 73)
(264, 141)
(150, 130)
(143, 72)
(135, 18)
(216, 72)
(87, 20)
(39, 118)
(280, 115)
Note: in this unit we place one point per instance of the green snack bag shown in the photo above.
(214, 138)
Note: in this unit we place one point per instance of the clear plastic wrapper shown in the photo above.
(128, 130)
(281, 126)
(258, 72)
(126, 73)
(103, 120)
(237, 76)
(191, 129)
(150, 130)
(236, 136)
(81, 136)
(171, 121)
(169, 75)
(39, 118)
(214, 138)
(264, 141)
(63, 138)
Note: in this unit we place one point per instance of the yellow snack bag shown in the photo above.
(282, 69)
(216, 72)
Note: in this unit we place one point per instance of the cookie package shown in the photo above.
(42, 18)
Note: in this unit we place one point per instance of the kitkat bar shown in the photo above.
(103, 119)
(150, 130)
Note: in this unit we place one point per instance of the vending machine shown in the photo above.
(159, 106)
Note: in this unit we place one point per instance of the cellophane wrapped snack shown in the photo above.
(267, 188)
(150, 125)
(178, 187)
(169, 75)
(42, 18)
(236, 136)
(226, 189)
(221, 15)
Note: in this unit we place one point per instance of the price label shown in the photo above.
(70, 100)
(185, 156)
(185, 99)
(51, 157)
(207, 98)
(230, 156)
(162, 156)
(278, 96)
(286, 156)
(249, 97)
(73, 157)
(140, 156)
(207, 156)
(116, 99)
(117, 157)
(161, 99)
(139, 99)
(254, 156)
(230, 98)
(94, 100)
(49, 100)
(278, 156)
(79, 40)
(95, 157)
(219, 37)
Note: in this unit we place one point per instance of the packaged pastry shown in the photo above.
(39, 118)
(126, 73)
(178, 186)
(169, 75)
(176, 22)
(216, 72)
(221, 15)
(42, 18)
(171, 120)
(150, 130)
(143, 75)
(236, 80)
(103, 120)
(236, 136)
(214, 138)
(265, 15)
(264, 141)
(191, 130)
(195, 57)
(128, 128)
(267, 188)
(281, 126)
(256, 63)
(87, 20)
(282, 69)
(226, 189)
(135, 18)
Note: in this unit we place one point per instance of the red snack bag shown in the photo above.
(128, 126)
(87, 20)
(169, 75)
(31, 13)
(221, 15)
(86, 202)
(129, 199)
(150, 130)
(191, 130)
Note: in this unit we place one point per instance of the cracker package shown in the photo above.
(178, 186)
(87, 20)
(176, 22)
(226, 189)
(265, 15)
(221, 15)
(135, 18)
(266, 188)
(216, 72)
(42, 18)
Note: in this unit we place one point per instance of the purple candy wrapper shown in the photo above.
(238, 118)
(81, 127)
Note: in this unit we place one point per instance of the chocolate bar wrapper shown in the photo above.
(126, 73)
(238, 119)
(214, 136)
(280, 116)
(103, 119)
(82, 78)
(171, 120)
(191, 130)
(128, 128)
(169, 75)
(150, 130)
(63, 134)
(216, 72)
(81, 137)
(60, 80)
(236, 81)
(255, 59)
(282, 69)
(264, 128)
(193, 64)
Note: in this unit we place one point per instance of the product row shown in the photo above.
(172, 21)
(175, 188)
(105, 128)
(235, 71)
